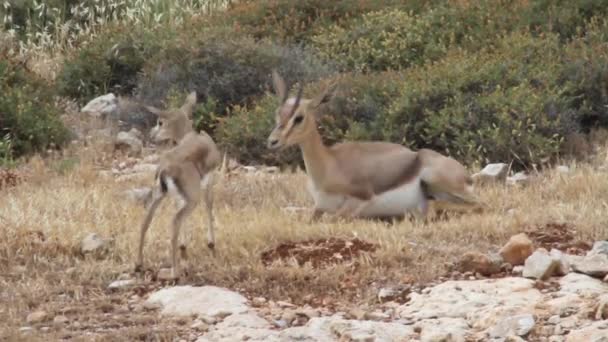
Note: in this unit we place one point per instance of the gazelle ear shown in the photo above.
(189, 104)
(325, 96)
(154, 110)
(280, 88)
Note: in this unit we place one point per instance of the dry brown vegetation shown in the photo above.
(43, 220)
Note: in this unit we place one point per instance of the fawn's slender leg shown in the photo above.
(208, 197)
(156, 200)
(181, 214)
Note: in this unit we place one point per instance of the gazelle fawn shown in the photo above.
(364, 179)
(181, 172)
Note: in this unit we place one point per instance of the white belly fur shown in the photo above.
(396, 202)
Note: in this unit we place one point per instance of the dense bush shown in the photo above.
(29, 119)
(111, 63)
(295, 21)
(231, 70)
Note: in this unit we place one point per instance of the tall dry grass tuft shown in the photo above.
(44, 220)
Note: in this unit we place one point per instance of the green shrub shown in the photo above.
(563, 17)
(500, 104)
(295, 21)
(112, 61)
(396, 39)
(232, 70)
(244, 131)
(29, 119)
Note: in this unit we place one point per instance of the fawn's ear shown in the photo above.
(154, 110)
(189, 104)
(280, 88)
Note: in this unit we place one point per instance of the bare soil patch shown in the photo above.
(560, 236)
(319, 253)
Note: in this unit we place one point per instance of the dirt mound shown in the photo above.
(560, 236)
(319, 253)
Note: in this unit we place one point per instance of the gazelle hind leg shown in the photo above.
(157, 198)
(182, 213)
(208, 197)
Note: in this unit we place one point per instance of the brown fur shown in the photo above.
(362, 170)
(193, 158)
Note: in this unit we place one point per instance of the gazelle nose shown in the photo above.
(273, 143)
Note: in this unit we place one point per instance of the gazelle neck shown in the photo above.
(316, 156)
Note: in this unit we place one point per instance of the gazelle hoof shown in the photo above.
(138, 268)
(211, 245)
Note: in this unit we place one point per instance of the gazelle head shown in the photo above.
(296, 117)
(174, 123)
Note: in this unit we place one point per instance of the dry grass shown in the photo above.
(43, 220)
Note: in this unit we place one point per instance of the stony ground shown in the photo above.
(69, 228)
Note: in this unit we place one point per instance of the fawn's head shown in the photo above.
(173, 124)
(296, 117)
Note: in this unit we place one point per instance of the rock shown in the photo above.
(481, 302)
(250, 169)
(519, 325)
(241, 327)
(492, 173)
(563, 266)
(596, 332)
(481, 263)
(599, 247)
(606, 278)
(120, 284)
(129, 142)
(519, 178)
(601, 311)
(518, 269)
(26, 330)
(335, 328)
(60, 320)
(139, 195)
(393, 293)
(259, 301)
(595, 265)
(540, 265)
(582, 285)
(517, 249)
(101, 106)
(36, 317)
(284, 304)
(272, 169)
(443, 329)
(92, 243)
(200, 326)
(563, 169)
(553, 320)
(205, 300)
(377, 316)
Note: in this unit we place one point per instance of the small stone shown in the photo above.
(208, 319)
(517, 249)
(36, 317)
(518, 269)
(120, 284)
(259, 301)
(519, 178)
(595, 265)
(555, 319)
(45, 329)
(92, 243)
(200, 326)
(606, 278)
(601, 312)
(599, 247)
(26, 330)
(284, 304)
(59, 320)
(101, 106)
(129, 142)
(519, 325)
(376, 316)
(540, 265)
(165, 274)
(280, 323)
(387, 294)
(250, 169)
(478, 262)
(563, 169)
(492, 173)
(357, 313)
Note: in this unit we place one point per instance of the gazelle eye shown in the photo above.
(298, 119)
(160, 123)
